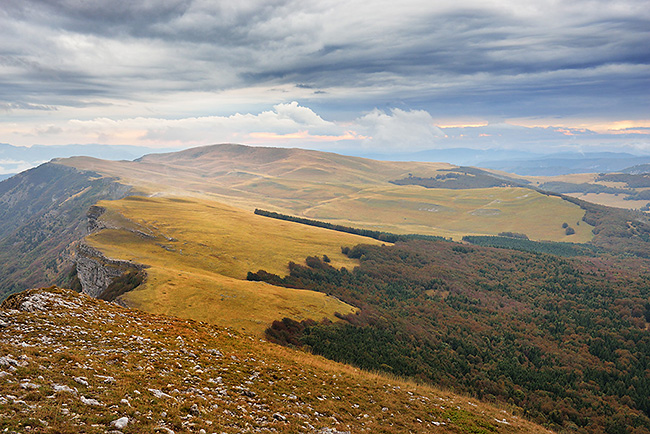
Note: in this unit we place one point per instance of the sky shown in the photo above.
(352, 76)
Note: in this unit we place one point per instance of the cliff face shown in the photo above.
(96, 272)
(42, 217)
(100, 276)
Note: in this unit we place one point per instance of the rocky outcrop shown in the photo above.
(43, 214)
(94, 223)
(100, 276)
(96, 272)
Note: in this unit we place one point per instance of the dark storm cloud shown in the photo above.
(99, 17)
(583, 57)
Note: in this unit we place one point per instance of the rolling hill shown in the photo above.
(175, 234)
(346, 190)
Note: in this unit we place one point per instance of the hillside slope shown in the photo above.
(42, 213)
(345, 190)
(564, 339)
(198, 253)
(72, 364)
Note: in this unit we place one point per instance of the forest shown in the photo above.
(462, 178)
(564, 340)
(526, 245)
(570, 187)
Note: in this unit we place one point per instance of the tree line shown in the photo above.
(377, 235)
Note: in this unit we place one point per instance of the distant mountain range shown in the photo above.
(568, 163)
(525, 163)
(15, 159)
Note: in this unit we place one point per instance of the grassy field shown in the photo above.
(346, 190)
(200, 251)
(617, 201)
(453, 213)
(607, 199)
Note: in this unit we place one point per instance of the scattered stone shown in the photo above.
(278, 416)
(63, 388)
(215, 352)
(8, 361)
(194, 410)
(107, 379)
(81, 380)
(28, 385)
(40, 301)
(120, 423)
(159, 393)
(89, 401)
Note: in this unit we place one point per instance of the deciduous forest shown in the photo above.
(564, 340)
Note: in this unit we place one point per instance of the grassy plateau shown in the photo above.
(200, 251)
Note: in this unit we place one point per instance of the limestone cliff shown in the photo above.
(96, 272)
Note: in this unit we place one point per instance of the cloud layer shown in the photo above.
(377, 132)
(192, 65)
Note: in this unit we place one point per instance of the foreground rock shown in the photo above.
(70, 363)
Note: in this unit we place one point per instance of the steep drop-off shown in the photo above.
(43, 216)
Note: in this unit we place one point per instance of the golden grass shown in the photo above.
(200, 251)
(346, 190)
(454, 213)
(613, 200)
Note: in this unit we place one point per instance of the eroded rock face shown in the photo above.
(96, 271)
(94, 223)
(43, 212)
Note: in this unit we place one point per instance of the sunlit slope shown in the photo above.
(616, 199)
(250, 177)
(346, 190)
(452, 213)
(200, 252)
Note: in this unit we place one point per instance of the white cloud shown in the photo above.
(399, 130)
(286, 124)
(294, 125)
(282, 120)
(16, 166)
